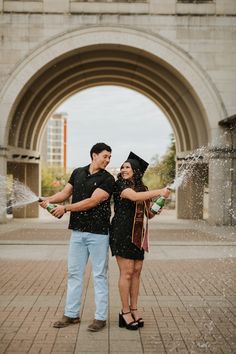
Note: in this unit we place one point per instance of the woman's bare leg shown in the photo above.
(134, 288)
(126, 267)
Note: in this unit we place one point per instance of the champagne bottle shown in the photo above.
(50, 207)
(158, 204)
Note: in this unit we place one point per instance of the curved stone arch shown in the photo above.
(197, 85)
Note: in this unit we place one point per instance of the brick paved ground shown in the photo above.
(188, 304)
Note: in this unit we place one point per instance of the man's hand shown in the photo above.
(59, 211)
(44, 203)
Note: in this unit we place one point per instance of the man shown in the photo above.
(91, 188)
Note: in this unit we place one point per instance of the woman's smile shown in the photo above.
(126, 171)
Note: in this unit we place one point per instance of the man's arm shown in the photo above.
(98, 196)
(59, 196)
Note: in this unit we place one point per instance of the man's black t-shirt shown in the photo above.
(97, 219)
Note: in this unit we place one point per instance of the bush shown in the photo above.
(162, 172)
(53, 180)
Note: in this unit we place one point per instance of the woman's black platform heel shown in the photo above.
(139, 320)
(122, 323)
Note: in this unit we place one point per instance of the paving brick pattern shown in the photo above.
(188, 307)
(188, 304)
(24, 234)
(63, 234)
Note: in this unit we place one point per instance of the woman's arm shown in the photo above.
(130, 194)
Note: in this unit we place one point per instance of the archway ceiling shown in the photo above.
(107, 65)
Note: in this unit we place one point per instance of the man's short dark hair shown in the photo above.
(99, 147)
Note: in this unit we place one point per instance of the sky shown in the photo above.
(122, 118)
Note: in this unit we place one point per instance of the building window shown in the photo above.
(55, 145)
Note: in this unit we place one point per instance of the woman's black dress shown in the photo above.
(122, 224)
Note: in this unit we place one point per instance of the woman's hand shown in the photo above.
(165, 192)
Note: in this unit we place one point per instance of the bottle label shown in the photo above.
(155, 208)
(50, 207)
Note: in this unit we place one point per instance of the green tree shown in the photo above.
(53, 179)
(162, 171)
(167, 164)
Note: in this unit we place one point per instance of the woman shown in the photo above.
(128, 234)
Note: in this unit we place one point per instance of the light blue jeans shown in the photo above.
(83, 245)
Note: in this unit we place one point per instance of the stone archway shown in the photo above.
(103, 56)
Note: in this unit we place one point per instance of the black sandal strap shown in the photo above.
(125, 313)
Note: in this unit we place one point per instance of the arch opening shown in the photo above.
(106, 64)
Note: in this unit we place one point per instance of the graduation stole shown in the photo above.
(140, 235)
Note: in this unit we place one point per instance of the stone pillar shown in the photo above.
(28, 174)
(222, 175)
(222, 187)
(18, 171)
(190, 195)
(233, 176)
(3, 196)
(32, 181)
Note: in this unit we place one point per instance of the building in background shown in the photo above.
(54, 143)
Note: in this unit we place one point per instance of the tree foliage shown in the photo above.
(162, 171)
(53, 179)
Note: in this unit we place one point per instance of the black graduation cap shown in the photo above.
(137, 162)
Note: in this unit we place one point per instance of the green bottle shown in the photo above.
(158, 204)
(50, 207)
